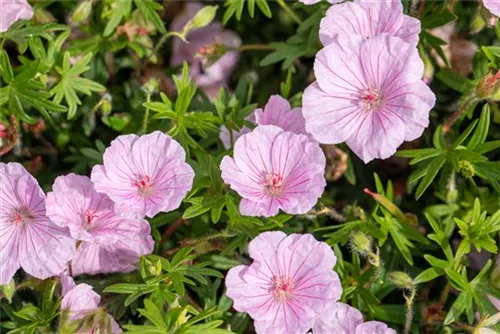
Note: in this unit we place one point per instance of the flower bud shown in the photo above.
(466, 169)
(361, 243)
(82, 12)
(203, 18)
(400, 279)
(151, 86)
(106, 104)
(489, 87)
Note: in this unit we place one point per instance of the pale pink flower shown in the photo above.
(493, 6)
(144, 175)
(29, 240)
(289, 285)
(344, 319)
(225, 136)
(367, 19)
(277, 111)
(12, 11)
(312, 2)
(209, 78)
(82, 302)
(273, 169)
(108, 242)
(369, 94)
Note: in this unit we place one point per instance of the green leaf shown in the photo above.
(6, 68)
(454, 80)
(463, 301)
(121, 10)
(464, 135)
(153, 313)
(194, 211)
(428, 275)
(430, 174)
(479, 136)
(437, 19)
(149, 10)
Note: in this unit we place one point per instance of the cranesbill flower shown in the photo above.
(144, 175)
(28, 238)
(312, 2)
(273, 169)
(368, 93)
(209, 78)
(278, 112)
(367, 19)
(12, 11)
(82, 304)
(344, 319)
(289, 285)
(108, 242)
(493, 6)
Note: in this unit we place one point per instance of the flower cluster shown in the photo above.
(369, 91)
(90, 226)
(291, 287)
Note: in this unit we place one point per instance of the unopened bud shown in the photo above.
(106, 104)
(202, 18)
(489, 87)
(466, 169)
(82, 12)
(361, 243)
(150, 267)
(151, 86)
(400, 279)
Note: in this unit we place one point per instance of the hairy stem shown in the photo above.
(449, 123)
(409, 310)
(146, 114)
(290, 11)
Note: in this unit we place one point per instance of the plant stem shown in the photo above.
(146, 114)
(290, 11)
(248, 47)
(164, 38)
(449, 123)
(409, 310)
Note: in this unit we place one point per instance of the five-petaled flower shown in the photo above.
(28, 238)
(108, 242)
(273, 169)
(289, 285)
(369, 94)
(144, 175)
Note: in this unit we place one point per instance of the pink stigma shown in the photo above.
(89, 217)
(144, 186)
(370, 99)
(273, 184)
(283, 288)
(21, 215)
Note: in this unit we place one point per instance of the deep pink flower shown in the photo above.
(28, 238)
(81, 301)
(273, 169)
(344, 319)
(493, 6)
(108, 242)
(144, 175)
(277, 112)
(367, 19)
(12, 11)
(210, 79)
(289, 285)
(368, 93)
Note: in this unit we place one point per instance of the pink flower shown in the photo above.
(277, 112)
(144, 175)
(367, 19)
(493, 6)
(368, 93)
(312, 2)
(82, 303)
(344, 319)
(289, 285)
(12, 11)
(28, 238)
(108, 241)
(225, 136)
(210, 79)
(273, 169)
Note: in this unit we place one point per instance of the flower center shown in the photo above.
(144, 186)
(21, 216)
(88, 219)
(273, 184)
(370, 99)
(283, 288)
